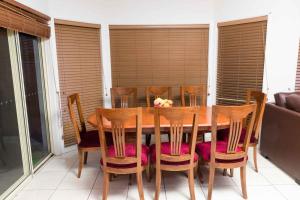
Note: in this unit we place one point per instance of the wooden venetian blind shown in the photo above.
(80, 71)
(298, 72)
(144, 56)
(241, 55)
(18, 17)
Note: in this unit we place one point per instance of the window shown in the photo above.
(298, 72)
(144, 56)
(241, 55)
(80, 71)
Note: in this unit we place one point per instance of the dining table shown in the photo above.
(204, 122)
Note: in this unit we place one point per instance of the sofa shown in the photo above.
(280, 134)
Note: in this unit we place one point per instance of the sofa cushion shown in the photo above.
(293, 102)
(280, 98)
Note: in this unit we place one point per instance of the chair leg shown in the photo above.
(140, 185)
(231, 172)
(85, 157)
(200, 175)
(210, 182)
(191, 183)
(148, 139)
(255, 158)
(80, 162)
(148, 171)
(158, 182)
(130, 179)
(105, 185)
(243, 181)
(224, 172)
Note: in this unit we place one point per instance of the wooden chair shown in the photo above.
(87, 141)
(260, 99)
(175, 155)
(123, 93)
(156, 91)
(228, 154)
(193, 93)
(122, 157)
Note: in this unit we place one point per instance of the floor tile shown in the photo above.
(264, 192)
(70, 195)
(86, 181)
(34, 195)
(253, 178)
(224, 193)
(46, 180)
(113, 194)
(58, 164)
(291, 192)
(277, 177)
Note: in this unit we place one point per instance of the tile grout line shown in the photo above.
(91, 190)
(62, 180)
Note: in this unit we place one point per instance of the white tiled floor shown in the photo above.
(57, 180)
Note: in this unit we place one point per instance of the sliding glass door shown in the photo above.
(24, 140)
(34, 94)
(13, 159)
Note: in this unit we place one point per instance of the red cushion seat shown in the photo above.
(130, 151)
(223, 135)
(166, 149)
(89, 139)
(204, 150)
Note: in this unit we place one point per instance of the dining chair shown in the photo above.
(122, 157)
(227, 154)
(260, 99)
(123, 94)
(87, 141)
(126, 97)
(157, 91)
(152, 93)
(175, 155)
(193, 93)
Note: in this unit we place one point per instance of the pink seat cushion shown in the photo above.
(203, 149)
(166, 149)
(223, 135)
(130, 151)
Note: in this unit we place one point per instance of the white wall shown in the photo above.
(282, 37)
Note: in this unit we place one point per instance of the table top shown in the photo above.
(205, 114)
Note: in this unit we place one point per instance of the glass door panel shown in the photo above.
(11, 163)
(34, 93)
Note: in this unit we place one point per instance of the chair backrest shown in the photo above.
(74, 100)
(157, 91)
(177, 116)
(124, 94)
(260, 99)
(236, 116)
(118, 118)
(193, 93)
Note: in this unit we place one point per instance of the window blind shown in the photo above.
(241, 55)
(144, 56)
(18, 17)
(80, 71)
(298, 72)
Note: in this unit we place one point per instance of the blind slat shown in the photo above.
(80, 71)
(167, 56)
(297, 88)
(241, 50)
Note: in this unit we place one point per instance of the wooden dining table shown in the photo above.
(204, 123)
